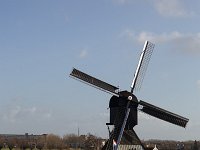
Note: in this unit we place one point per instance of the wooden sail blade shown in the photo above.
(94, 81)
(163, 114)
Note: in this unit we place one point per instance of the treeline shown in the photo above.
(52, 141)
(86, 142)
(173, 145)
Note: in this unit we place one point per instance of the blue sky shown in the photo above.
(41, 41)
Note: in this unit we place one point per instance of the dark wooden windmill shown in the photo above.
(124, 105)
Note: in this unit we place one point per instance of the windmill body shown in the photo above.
(117, 103)
(124, 105)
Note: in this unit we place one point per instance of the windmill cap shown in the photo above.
(127, 94)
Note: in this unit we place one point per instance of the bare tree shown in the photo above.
(54, 142)
(92, 142)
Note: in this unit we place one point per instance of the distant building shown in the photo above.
(131, 147)
(25, 136)
(22, 139)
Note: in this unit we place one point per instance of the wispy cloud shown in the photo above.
(83, 53)
(198, 84)
(16, 112)
(188, 42)
(47, 115)
(159, 38)
(105, 114)
(172, 8)
(19, 113)
(66, 18)
(144, 116)
(121, 1)
(166, 8)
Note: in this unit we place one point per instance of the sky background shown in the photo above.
(42, 40)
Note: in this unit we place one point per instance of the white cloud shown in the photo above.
(104, 115)
(47, 115)
(83, 53)
(171, 8)
(18, 113)
(66, 18)
(157, 38)
(164, 37)
(12, 114)
(188, 42)
(31, 110)
(198, 83)
(121, 1)
(166, 8)
(144, 116)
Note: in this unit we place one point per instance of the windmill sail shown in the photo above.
(142, 65)
(163, 114)
(94, 81)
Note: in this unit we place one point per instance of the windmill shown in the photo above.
(124, 105)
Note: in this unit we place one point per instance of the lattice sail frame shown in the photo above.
(142, 66)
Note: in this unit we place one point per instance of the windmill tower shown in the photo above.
(124, 105)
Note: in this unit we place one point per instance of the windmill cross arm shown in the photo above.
(94, 82)
(163, 114)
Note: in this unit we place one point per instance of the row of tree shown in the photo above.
(52, 141)
(173, 145)
(87, 142)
